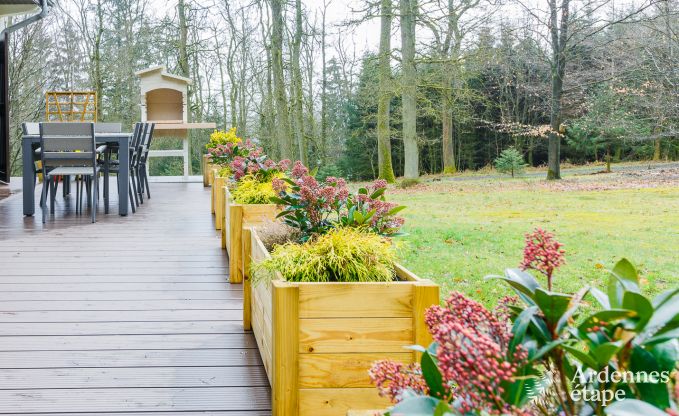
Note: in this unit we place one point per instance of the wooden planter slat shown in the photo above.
(318, 340)
(389, 300)
(339, 335)
(342, 369)
(337, 401)
(236, 218)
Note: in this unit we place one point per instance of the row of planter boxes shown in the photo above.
(318, 340)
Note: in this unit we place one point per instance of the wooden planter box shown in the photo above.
(236, 218)
(318, 340)
(207, 170)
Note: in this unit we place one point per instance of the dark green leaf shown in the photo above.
(581, 356)
(378, 193)
(553, 305)
(396, 210)
(432, 376)
(643, 361)
(638, 303)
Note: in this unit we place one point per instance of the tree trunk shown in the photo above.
(297, 94)
(96, 58)
(559, 38)
(324, 91)
(447, 139)
(409, 88)
(282, 114)
(384, 165)
(184, 65)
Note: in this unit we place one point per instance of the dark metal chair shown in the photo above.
(69, 149)
(113, 165)
(142, 169)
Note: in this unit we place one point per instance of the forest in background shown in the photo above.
(442, 85)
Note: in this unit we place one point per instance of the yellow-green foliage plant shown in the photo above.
(343, 254)
(250, 190)
(224, 172)
(223, 137)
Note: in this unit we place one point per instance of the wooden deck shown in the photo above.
(131, 315)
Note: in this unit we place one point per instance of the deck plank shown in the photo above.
(132, 315)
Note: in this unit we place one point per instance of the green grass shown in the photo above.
(460, 232)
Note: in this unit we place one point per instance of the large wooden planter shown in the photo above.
(318, 340)
(237, 217)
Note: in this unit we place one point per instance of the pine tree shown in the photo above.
(510, 161)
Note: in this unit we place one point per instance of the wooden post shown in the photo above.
(218, 187)
(236, 243)
(285, 385)
(426, 294)
(247, 289)
(227, 220)
(206, 170)
(212, 176)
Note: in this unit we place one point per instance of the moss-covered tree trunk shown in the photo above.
(409, 88)
(297, 93)
(282, 114)
(384, 164)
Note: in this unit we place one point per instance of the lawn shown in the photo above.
(460, 231)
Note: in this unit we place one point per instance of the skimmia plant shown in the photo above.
(550, 357)
(316, 207)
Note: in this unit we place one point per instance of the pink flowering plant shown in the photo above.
(316, 207)
(626, 332)
(539, 354)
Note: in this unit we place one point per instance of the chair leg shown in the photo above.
(146, 180)
(132, 203)
(95, 197)
(133, 186)
(107, 162)
(43, 199)
(140, 186)
(82, 192)
(53, 193)
(77, 194)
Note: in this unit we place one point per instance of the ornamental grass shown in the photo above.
(251, 190)
(341, 255)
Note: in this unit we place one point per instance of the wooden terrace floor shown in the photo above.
(129, 316)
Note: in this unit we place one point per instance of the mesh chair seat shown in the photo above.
(71, 170)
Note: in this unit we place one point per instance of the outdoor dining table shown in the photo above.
(120, 139)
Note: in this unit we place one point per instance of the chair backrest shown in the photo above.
(135, 143)
(148, 136)
(30, 129)
(67, 144)
(108, 127)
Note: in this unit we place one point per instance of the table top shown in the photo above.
(99, 136)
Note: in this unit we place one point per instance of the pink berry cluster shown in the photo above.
(473, 353)
(223, 154)
(542, 253)
(392, 379)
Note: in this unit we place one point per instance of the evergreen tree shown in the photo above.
(510, 161)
